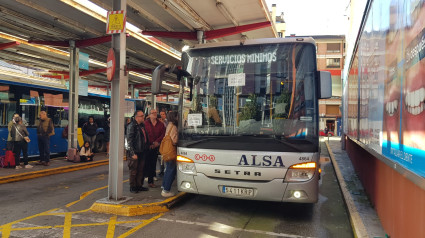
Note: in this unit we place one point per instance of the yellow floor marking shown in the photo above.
(6, 231)
(32, 228)
(111, 227)
(85, 194)
(64, 213)
(140, 226)
(67, 225)
(75, 225)
(27, 218)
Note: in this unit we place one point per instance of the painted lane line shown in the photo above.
(140, 226)
(27, 218)
(85, 194)
(111, 227)
(67, 225)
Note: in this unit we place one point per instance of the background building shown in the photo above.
(278, 22)
(330, 50)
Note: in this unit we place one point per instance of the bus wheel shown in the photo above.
(99, 145)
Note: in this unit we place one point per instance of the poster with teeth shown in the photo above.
(386, 85)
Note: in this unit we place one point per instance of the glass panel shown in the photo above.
(333, 47)
(266, 90)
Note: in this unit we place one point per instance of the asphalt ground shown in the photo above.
(364, 220)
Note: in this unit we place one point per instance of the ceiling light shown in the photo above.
(220, 6)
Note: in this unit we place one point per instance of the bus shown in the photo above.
(27, 97)
(251, 131)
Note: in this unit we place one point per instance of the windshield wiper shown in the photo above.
(288, 144)
(195, 142)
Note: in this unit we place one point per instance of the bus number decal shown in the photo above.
(205, 157)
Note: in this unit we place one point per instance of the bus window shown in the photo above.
(7, 105)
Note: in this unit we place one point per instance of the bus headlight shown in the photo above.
(186, 165)
(301, 172)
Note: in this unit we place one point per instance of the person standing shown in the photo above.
(170, 166)
(45, 130)
(156, 131)
(20, 135)
(107, 136)
(163, 119)
(9, 143)
(137, 148)
(89, 131)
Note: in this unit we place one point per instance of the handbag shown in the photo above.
(167, 149)
(26, 138)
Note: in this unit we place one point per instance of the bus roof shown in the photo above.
(256, 42)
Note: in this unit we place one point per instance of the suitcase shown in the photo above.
(2, 164)
(73, 155)
(9, 159)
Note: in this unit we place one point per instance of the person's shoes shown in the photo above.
(152, 185)
(155, 179)
(40, 163)
(143, 189)
(18, 167)
(28, 166)
(167, 194)
(46, 163)
(134, 190)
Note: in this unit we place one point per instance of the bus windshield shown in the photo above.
(263, 91)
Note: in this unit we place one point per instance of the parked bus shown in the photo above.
(29, 98)
(252, 129)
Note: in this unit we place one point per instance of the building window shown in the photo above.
(333, 47)
(280, 35)
(333, 63)
(332, 110)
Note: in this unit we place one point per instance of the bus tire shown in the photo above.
(99, 144)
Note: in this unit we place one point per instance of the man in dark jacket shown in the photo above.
(89, 131)
(137, 147)
(45, 130)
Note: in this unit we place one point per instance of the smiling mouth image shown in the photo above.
(391, 107)
(415, 101)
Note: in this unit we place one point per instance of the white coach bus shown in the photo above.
(252, 129)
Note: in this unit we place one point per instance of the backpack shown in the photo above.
(65, 133)
(167, 149)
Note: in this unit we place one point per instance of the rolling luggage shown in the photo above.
(73, 155)
(9, 159)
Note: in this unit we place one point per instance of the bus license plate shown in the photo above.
(249, 192)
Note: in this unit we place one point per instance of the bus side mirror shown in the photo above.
(325, 82)
(157, 76)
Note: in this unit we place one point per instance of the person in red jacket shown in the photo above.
(156, 131)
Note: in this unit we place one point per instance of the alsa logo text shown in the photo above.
(266, 161)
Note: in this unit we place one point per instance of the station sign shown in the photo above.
(115, 22)
(110, 65)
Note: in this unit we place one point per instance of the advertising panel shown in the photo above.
(386, 112)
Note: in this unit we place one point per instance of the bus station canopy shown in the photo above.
(50, 22)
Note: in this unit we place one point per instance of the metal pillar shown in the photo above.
(131, 89)
(153, 102)
(73, 96)
(119, 89)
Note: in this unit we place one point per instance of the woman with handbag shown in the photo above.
(169, 150)
(20, 138)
